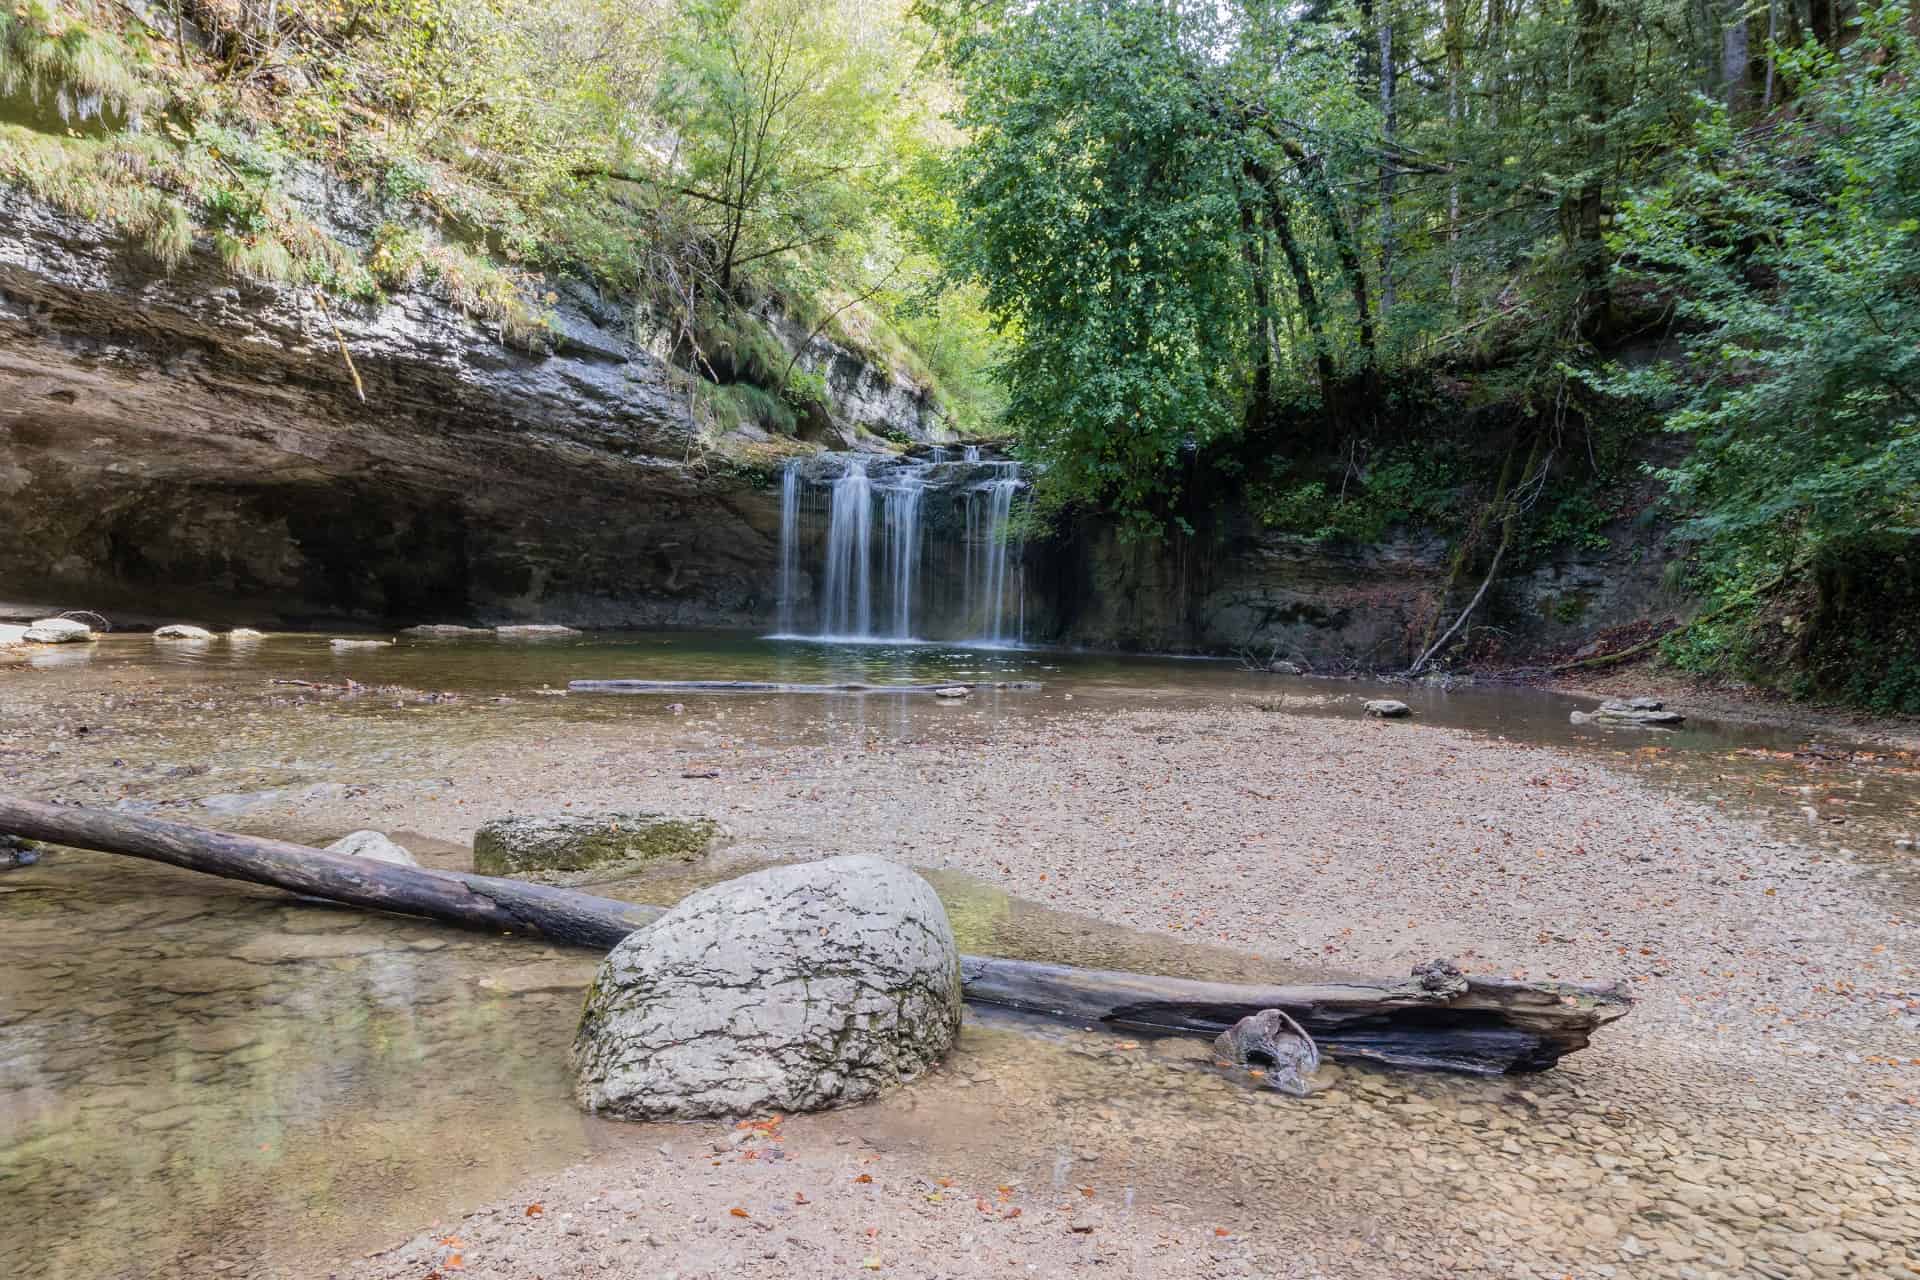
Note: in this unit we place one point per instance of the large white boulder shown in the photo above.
(182, 631)
(58, 631)
(792, 989)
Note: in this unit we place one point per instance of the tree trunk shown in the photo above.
(1387, 159)
(1585, 213)
(1733, 57)
(1456, 46)
(1480, 1026)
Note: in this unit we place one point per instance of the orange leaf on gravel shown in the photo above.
(535, 1209)
(738, 1212)
(865, 1177)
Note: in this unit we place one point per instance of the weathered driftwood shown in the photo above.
(481, 902)
(765, 686)
(1436, 1020)
(1485, 1026)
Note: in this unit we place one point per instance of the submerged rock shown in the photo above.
(1629, 711)
(240, 635)
(1388, 708)
(338, 643)
(445, 631)
(57, 631)
(375, 846)
(1281, 667)
(953, 692)
(519, 845)
(17, 851)
(534, 630)
(793, 989)
(182, 631)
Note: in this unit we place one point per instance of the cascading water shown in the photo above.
(847, 604)
(789, 545)
(994, 560)
(913, 548)
(900, 508)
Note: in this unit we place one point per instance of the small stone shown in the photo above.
(240, 635)
(338, 644)
(375, 847)
(1387, 709)
(182, 631)
(953, 691)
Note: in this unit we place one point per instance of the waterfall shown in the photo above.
(913, 548)
(994, 558)
(971, 453)
(900, 508)
(847, 606)
(789, 543)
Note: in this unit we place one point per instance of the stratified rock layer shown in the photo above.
(792, 989)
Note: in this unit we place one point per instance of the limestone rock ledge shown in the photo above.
(193, 442)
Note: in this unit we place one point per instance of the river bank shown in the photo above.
(1756, 1114)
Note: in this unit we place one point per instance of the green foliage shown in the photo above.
(1199, 224)
(53, 55)
(1791, 252)
(1409, 485)
(696, 155)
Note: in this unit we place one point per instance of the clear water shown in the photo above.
(205, 1078)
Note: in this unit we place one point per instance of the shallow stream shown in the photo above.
(203, 1078)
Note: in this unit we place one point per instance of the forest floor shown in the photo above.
(1758, 1114)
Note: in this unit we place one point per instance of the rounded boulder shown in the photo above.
(792, 989)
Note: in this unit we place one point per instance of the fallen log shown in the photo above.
(1481, 1026)
(767, 686)
(1440, 1019)
(480, 902)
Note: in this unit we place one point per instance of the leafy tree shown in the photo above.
(1791, 251)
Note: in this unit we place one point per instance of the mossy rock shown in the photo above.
(545, 844)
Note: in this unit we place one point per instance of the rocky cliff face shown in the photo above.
(190, 444)
(1236, 587)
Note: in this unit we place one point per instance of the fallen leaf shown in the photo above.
(865, 1177)
(738, 1212)
(455, 1262)
(535, 1209)
(1221, 1231)
(1012, 1213)
(871, 1264)
(800, 1198)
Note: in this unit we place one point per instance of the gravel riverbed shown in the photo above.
(1756, 1115)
